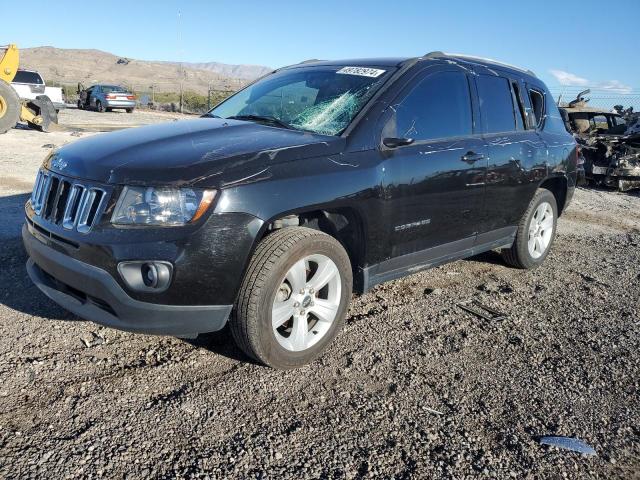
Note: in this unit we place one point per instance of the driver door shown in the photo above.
(434, 184)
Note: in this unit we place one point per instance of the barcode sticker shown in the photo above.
(361, 71)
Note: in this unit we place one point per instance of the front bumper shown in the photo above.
(93, 294)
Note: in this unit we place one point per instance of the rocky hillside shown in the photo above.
(243, 72)
(69, 66)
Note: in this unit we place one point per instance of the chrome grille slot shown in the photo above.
(51, 198)
(71, 209)
(61, 201)
(89, 205)
(41, 192)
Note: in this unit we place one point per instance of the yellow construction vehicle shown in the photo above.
(39, 113)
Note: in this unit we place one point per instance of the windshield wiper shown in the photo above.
(211, 115)
(260, 118)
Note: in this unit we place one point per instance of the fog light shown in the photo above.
(149, 275)
(146, 276)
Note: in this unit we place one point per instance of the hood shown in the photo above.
(204, 152)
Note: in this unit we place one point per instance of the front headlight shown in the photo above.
(161, 206)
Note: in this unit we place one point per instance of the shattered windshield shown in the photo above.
(321, 99)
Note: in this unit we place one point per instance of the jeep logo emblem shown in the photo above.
(59, 164)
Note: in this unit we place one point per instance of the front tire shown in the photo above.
(9, 107)
(536, 232)
(293, 298)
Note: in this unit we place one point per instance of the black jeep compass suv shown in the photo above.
(317, 180)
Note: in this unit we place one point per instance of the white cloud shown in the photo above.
(566, 78)
(615, 86)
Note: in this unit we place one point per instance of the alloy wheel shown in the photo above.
(540, 230)
(306, 303)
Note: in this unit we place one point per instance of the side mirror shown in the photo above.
(393, 142)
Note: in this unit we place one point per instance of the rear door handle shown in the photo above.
(472, 157)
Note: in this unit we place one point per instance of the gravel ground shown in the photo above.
(414, 387)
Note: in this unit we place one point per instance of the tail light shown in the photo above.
(131, 97)
(110, 97)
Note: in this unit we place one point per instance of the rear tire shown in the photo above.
(108, 109)
(99, 106)
(129, 110)
(9, 107)
(536, 232)
(282, 277)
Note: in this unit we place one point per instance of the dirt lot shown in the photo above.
(414, 387)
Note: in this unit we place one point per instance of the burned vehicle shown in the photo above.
(609, 143)
(317, 180)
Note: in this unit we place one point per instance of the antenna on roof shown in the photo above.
(434, 54)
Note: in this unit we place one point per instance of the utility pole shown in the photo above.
(209, 96)
(181, 72)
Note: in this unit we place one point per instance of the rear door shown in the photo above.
(517, 155)
(93, 95)
(433, 187)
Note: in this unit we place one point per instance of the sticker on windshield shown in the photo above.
(361, 71)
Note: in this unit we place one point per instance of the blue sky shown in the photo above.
(571, 43)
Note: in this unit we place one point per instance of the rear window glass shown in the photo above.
(438, 107)
(112, 88)
(28, 77)
(496, 104)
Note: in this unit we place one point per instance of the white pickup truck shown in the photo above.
(29, 85)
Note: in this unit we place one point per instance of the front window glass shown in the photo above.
(318, 99)
(438, 107)
(599, 122)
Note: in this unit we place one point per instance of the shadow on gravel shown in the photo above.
(16, 289)
(221, 343)
(491, 257)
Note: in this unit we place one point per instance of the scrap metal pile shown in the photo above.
(609, 142)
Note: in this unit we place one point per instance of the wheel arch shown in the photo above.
(345, 224)
(558, 185)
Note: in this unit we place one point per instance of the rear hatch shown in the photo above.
(32, 79)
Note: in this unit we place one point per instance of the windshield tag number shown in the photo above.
(361, 71)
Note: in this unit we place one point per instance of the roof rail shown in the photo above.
(311, 60)
(439, 54)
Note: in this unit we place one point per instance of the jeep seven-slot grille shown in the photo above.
(62, 201)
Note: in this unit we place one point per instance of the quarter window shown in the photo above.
(537, 105)
(496, 104)
(438, 107)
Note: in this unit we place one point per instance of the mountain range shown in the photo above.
(71, 66)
